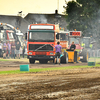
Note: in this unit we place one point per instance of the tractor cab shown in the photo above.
(75, 36)
(79, 53)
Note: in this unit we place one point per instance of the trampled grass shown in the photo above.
(46, 69)
(4, 60)
(25, 59)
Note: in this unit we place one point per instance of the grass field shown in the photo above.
(46, 69)
(97, 60)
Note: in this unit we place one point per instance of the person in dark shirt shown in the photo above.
(13, 47)
(5, 49)
(1, 48)
(23, 50)
(72, 47)
(18, 47)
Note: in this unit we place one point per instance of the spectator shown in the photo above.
(23, 49)
(1, 47)
(13, 47)
(18, 47)
(9, 48)
(58, 48)
(4, 49)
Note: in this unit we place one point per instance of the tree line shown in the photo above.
(84, 15)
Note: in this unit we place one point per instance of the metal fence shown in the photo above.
(94, 53)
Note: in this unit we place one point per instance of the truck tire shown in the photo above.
(43, 61)
(85, 55)
(32, 61)
(64, 59)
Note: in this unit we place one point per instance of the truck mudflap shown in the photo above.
(38, 57)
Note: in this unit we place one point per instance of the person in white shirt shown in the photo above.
(1, 47)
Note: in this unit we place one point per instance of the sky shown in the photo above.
(12, 7)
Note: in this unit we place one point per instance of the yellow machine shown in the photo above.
(71, 57)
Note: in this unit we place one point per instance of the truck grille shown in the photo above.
(40, 53)
(40, 47)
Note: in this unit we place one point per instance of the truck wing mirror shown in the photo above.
(25, 36)
(57, 36)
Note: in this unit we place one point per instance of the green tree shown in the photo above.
(83, 15)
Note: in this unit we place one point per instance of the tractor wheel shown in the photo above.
(43, 61)
(85, 55)
(64, 59)
(32, 61)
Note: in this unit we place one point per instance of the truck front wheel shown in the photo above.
(32, 61)
(64, 59)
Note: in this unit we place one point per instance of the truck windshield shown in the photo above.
(41, 36)
(75, 40)
(10, 35)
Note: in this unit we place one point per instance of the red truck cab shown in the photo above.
(41, 40)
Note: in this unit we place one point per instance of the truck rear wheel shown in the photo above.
(85, 55)
(43, 61)
(64, 59)
(32, 61)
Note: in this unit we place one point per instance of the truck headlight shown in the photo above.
(30, 53)
(51, 53)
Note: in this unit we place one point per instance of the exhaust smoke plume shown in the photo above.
(40, 19)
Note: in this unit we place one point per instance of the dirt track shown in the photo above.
(75, 84)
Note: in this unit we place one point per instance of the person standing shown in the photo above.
(83, 44)
(13, 47)
(9, 48)
(58, 48)
(4, 49)
(18, 47)
(23, 50)
(72, 47)
(1, 47)
(91, 46)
